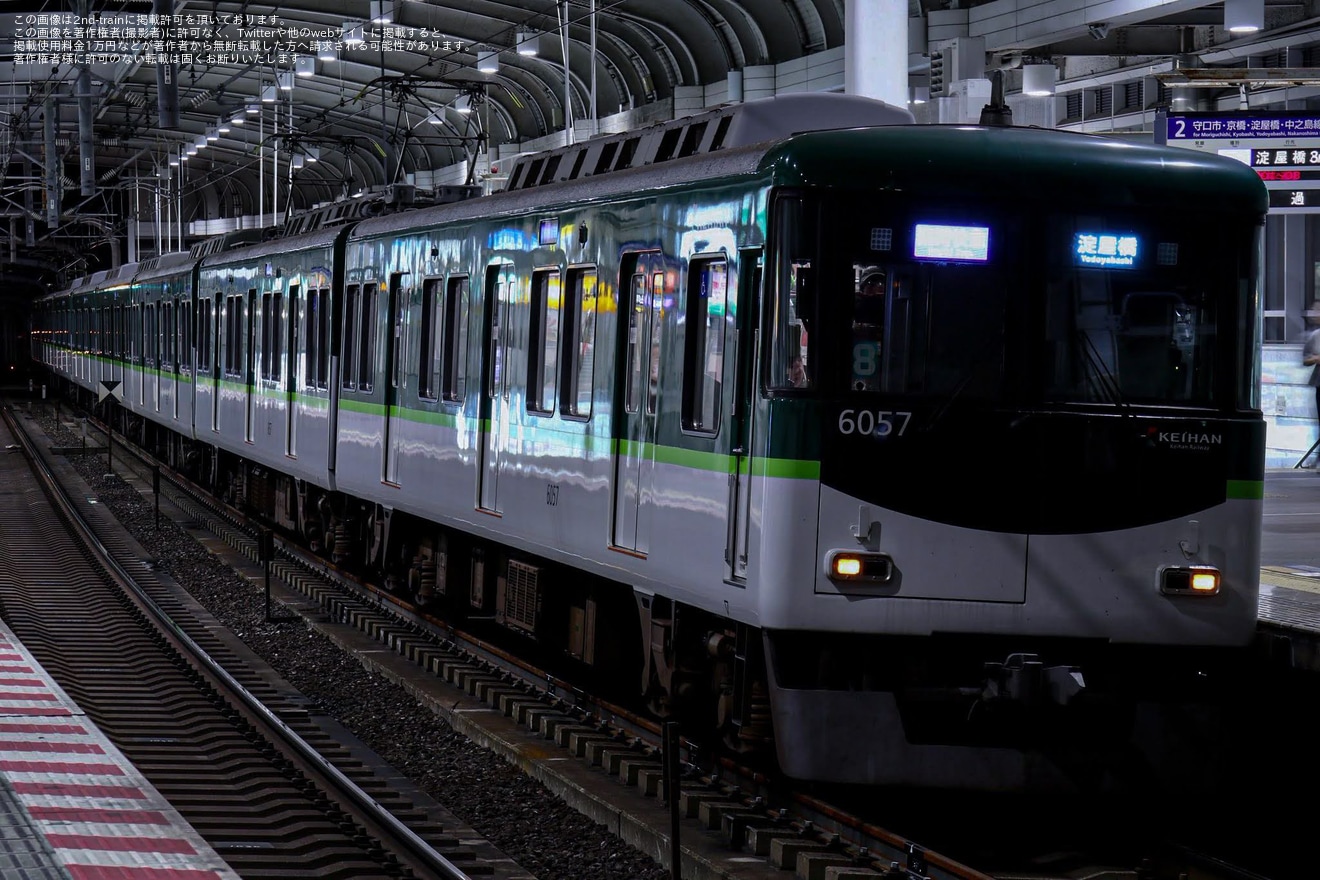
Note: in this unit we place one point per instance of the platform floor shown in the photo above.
(72, 807)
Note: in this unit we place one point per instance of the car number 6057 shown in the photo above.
(878, 422)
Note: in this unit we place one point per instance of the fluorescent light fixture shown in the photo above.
(382, 11)
(353, 33)
(297, 161)
(239, 118)
(1244, 16)
(529, 42)
(222, 125)
(1038, 79)
(211, 134)
(463, 104)
(325, 51)
(253, 109)
(285, 80)
(313, 154)
(201, 142)
(488, 61)
(174, 160)
(268, 94)
(305, 65)
(918, 94)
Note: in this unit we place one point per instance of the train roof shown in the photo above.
(164, 266)
(1026, 164)
(307, 241)
(726, 141)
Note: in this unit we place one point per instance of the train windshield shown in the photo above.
(997, 308)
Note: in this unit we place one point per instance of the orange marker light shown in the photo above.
(847, 566)
(1205, 581)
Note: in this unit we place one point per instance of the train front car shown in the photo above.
(1027, 363)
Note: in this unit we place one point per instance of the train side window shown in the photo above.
(317, 336)
(428, 351)
(181, 314)
(455, 325)
(203, 320)
(149, 341)
(233, 335)
(656, 321)
(399, 299)
(703, 344)
(543, 347)
(348, 357)
(323, 332)
(166, 335)
(367, 338)
(291, 351)
(637, 332)
(267, 334)
(579, 342)
(272, 352)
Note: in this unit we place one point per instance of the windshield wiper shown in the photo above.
(1100, 379)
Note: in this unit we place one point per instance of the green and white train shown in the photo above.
(928, 454)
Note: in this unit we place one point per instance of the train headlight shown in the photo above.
(1190, 580)
(850, 566)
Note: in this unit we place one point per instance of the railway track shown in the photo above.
(724, 806)
(243, 757)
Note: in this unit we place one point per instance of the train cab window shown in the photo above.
(703, 343)
(1116, 337)
(868, 326)
(543, 346)
(455, 343)
(579, 342)
(428, 349)
(793, 313)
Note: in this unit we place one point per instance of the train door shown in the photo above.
(743, 428)
(394, 376)
(637, 389)
(292, 375)
(180, 344)
(217, 327)
(493, 415)
(249, 365)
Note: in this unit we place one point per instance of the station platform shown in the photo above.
(72, 807)
(1290, 567)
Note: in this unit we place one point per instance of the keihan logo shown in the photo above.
(1186, 439)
